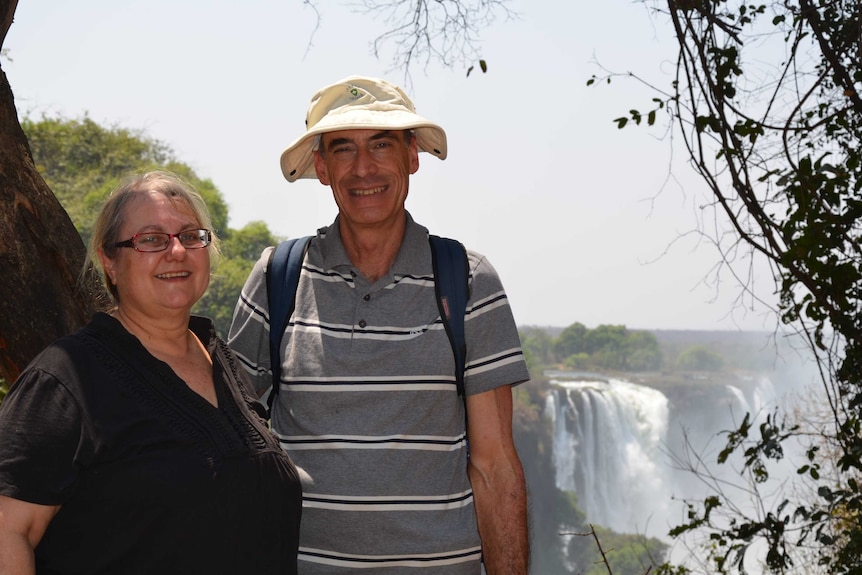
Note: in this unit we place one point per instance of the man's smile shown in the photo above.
(367, 192)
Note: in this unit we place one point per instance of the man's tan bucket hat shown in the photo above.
(359, 103)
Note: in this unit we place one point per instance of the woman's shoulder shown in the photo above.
(65, 357)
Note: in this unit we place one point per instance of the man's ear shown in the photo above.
(413, 150)
(320, 168)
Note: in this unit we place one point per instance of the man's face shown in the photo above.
(369, 173)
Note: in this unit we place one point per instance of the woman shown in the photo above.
(132, 446)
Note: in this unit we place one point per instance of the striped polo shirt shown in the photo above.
(368, 407)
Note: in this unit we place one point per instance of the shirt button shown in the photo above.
(366, 297)
(362, 323)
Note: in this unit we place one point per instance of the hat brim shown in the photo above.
(297, 161)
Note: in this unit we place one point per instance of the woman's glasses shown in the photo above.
(159, 241)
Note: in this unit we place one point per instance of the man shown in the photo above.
(367, 406)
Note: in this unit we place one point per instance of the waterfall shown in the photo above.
(607, 440)
(761, 398)
(611, 444)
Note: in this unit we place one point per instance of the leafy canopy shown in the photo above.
(82, 162)
(766, 99)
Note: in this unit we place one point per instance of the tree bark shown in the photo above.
(44, 293)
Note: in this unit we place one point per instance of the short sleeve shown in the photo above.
(249, 331)
(40, 439)
(494, 354)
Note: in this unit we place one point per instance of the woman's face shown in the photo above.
(156, 283)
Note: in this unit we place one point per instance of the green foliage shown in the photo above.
(698, 358)
(571, 341)
(240, 250)
(82, 162)
(538, 348)
(483, 65)
(208, 191)
(220, 298)
(248, 242)
(626, 554)
(670, 569)
(751, 351)
(609, 347)
(598, 551)
(642, 351)
(604, 337)
(766, 98)
(578, 362)
(3, 389)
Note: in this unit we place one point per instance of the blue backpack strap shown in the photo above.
(282, 278)
(451, 284)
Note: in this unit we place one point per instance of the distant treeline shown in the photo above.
(615, 348)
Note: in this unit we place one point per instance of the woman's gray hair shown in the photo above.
(113, 214)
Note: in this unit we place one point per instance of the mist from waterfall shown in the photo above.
(761, 397)
(607, 450)
(611, 443)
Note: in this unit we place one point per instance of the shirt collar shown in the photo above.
(414, 257)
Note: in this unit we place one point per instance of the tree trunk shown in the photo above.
(44, 294)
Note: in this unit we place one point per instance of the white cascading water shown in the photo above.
(610, 447)
(607, 450)
(761, 398)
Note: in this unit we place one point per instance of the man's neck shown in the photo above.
(373, 249)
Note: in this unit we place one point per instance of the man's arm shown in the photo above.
(499, 488)
(22, 525)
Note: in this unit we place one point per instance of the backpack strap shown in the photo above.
(451, 284)
(282, 278)
(451, 272)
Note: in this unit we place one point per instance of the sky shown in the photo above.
(583, 222)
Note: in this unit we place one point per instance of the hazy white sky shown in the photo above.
(576, 215)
